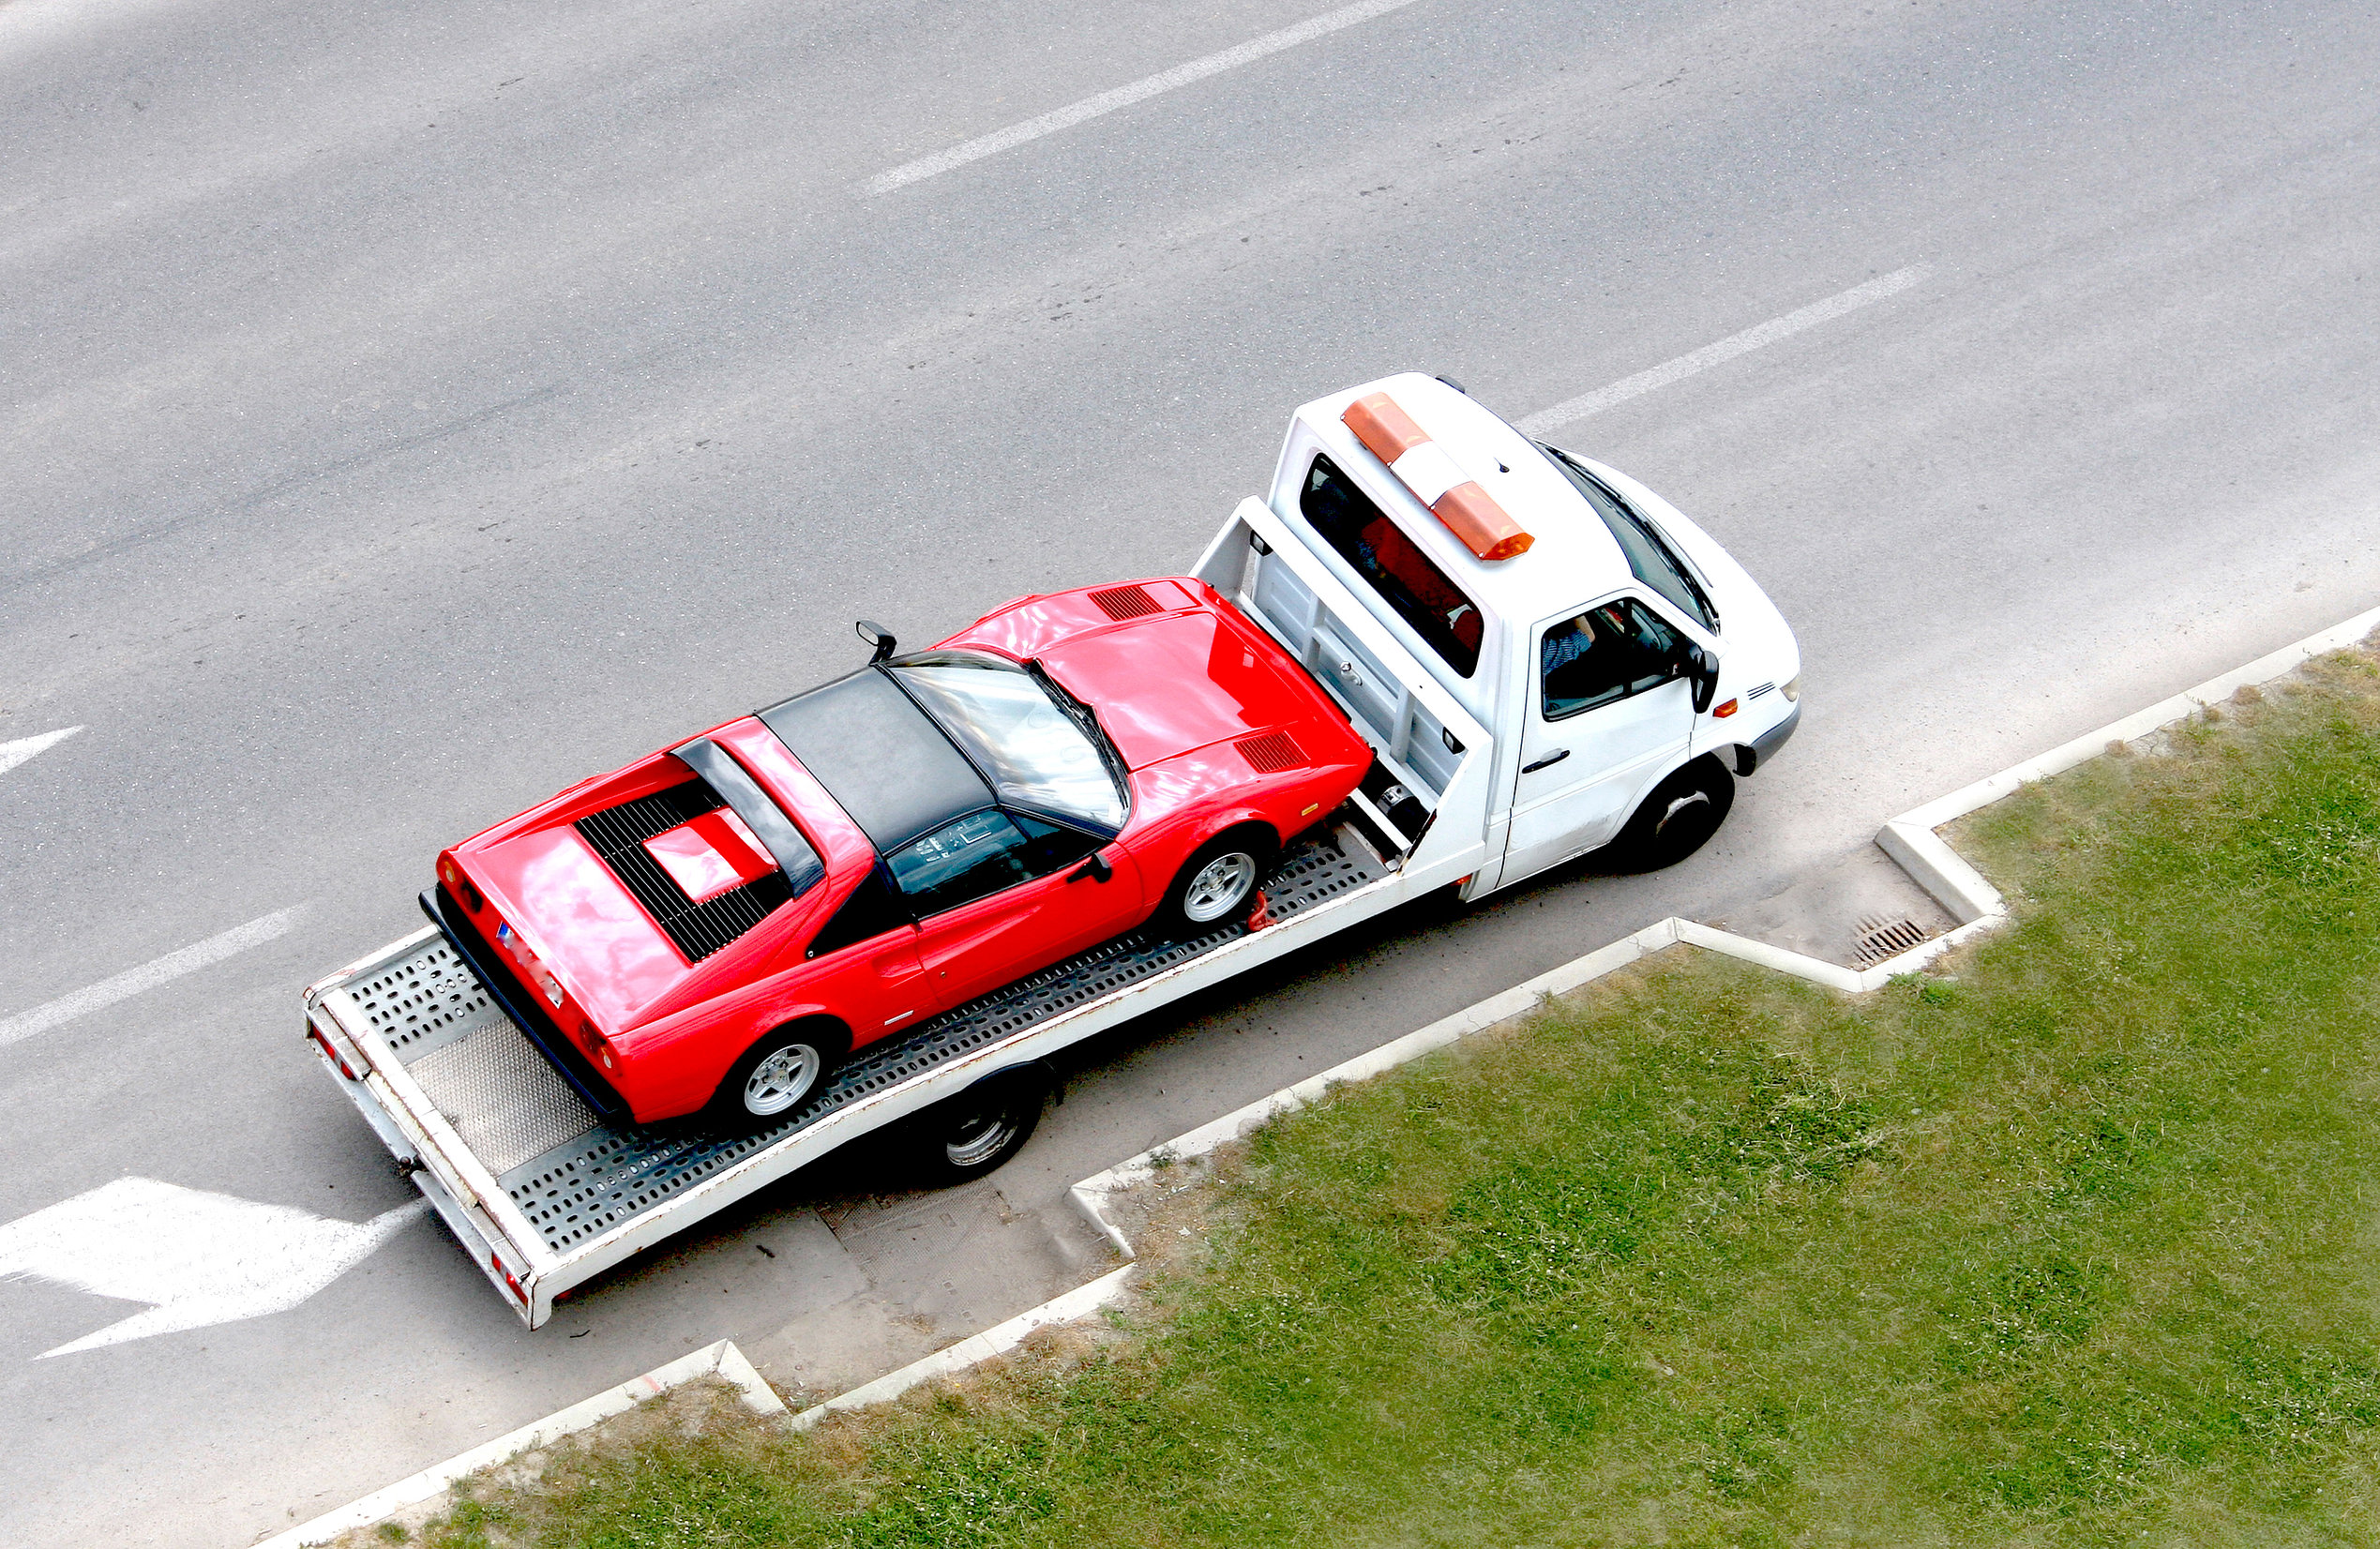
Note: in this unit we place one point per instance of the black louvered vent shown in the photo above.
(1125, 602)
(1272, 753)
(697, 929)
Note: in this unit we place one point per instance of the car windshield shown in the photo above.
(1042, 753)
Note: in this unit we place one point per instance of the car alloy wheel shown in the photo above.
(1221, 886)
(781, 1080)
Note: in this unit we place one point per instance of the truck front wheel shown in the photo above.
(1684, 811)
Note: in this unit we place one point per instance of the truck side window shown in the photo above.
(1408, 580)
(868, 913)
(1605, 654)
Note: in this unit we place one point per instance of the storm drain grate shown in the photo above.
(588, 1185)
(1882, 936)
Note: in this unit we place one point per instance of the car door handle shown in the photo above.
(1547, 762)
(1096, 868)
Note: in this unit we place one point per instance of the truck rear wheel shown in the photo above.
(1678, 819)
(777, 1076)
(973, 1134)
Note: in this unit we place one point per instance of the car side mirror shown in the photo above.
(878, 636)
(1096, 869)
(1702, 669)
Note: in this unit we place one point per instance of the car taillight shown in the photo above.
(496, 1262)
(460, 886)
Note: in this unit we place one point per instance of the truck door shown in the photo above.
(1609, 711)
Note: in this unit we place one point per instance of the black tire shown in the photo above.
(1196, 904)
(1679, 817)
(963, 1137)
(747, 1100)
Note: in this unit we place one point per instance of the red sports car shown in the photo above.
(714, 927)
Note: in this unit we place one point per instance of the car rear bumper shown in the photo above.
(506, 988)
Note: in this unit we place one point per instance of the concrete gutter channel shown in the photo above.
(1910, 839)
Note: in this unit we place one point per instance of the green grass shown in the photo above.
(2076, 1248)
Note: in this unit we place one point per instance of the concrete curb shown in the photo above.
(975, 1349)
(721, 1360)
(1910, 839)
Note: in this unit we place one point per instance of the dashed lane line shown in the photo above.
(1726, 349)
(1124, 97)
(155, 972)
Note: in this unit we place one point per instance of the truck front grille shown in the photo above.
(697, 930)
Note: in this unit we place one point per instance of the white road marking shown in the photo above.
(150, 974)
(15, 753)
(1124, 96)
(1726, 349)
(199, 1259)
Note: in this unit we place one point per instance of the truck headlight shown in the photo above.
(1792, 690)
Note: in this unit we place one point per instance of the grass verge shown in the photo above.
(2076, 1248)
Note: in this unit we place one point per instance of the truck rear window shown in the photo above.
(1408, 580)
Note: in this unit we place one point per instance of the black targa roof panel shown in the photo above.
(878, 755)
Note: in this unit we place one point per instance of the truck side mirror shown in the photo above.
(1702, 669)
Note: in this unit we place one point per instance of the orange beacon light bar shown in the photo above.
(1437, 480)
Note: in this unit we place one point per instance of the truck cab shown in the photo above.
(1590, 674)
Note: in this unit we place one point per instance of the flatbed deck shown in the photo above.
(532, 1168)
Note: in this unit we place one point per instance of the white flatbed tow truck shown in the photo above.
(1595, 682)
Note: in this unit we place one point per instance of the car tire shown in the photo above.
(964, 1137)
(1216, 887)
(772, 1081)
(1680, 815)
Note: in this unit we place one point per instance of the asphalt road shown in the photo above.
(407, 409)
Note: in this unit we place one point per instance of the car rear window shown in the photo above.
(1408, 580)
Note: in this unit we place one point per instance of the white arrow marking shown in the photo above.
(198, 1258)
(155, 972)
(15, 753)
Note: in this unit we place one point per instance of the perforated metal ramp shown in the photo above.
(607, 1174)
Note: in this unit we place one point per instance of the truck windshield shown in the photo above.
(1039, 753)
(1408, 580)
(1650, 557)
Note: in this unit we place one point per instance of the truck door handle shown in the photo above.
(1550, 759)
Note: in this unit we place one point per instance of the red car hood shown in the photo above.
(1168, 684)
